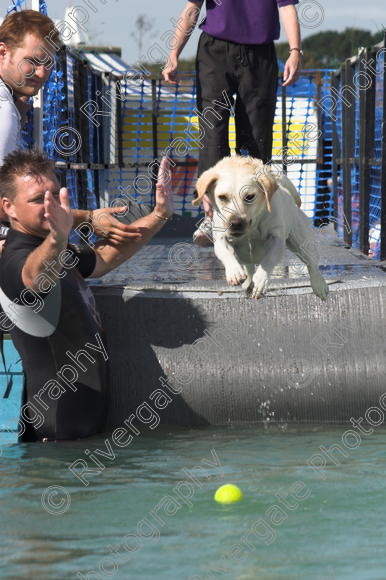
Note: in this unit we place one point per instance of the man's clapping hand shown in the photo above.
(58, 214)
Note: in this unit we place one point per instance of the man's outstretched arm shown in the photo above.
(110, 227)
(110, 256)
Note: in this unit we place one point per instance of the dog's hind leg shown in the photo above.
(318, 283)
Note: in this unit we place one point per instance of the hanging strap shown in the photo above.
(9, 384)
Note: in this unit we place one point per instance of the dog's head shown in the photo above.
(240, 189)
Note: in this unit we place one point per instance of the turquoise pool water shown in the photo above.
(332, 526)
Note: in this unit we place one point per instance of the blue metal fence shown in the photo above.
(357, 107)
(123, 124)
(105, 130)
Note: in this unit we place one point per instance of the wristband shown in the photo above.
(160, 217)
(299, 50)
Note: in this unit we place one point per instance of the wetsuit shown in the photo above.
(4, 229)
(55, 343)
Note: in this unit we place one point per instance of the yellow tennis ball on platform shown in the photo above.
(228, 493)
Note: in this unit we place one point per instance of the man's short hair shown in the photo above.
(16, 25)
(20, 164)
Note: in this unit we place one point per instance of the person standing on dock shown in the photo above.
(236, 55)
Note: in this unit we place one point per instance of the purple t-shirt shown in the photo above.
(244, 21)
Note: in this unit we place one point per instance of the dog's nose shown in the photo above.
(236, 223)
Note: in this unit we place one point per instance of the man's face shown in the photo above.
(26, 210)
(27, 67)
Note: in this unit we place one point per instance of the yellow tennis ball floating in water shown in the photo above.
(228, 493)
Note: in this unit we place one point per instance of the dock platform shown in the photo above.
(173, 325)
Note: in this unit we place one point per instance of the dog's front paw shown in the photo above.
(260, 284)
(258, 292)
(235, 275)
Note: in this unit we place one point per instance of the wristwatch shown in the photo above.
(299, 50)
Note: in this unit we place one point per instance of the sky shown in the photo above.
(113, 23)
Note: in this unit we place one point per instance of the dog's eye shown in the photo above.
(223, 197)
(250, 197)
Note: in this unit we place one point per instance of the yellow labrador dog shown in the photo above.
(255, 217)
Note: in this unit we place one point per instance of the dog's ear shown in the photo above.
(205, 185)
(269, 185)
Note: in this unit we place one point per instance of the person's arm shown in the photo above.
(59, 217)
(289, 18)
(110, 227)
(109, 257)
(186, 25)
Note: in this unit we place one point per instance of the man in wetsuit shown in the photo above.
(28, 41)
(50, 310)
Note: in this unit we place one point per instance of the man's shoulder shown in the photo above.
(16, 249)
(9, 122)
(18, 240)
(5, 93)
(6, 100)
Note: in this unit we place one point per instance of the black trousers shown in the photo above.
(250, 72)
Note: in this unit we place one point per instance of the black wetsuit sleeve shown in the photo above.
(11, 272)
(86, 257)
(4, 229)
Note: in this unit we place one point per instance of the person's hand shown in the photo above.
(163, 190)
(292, 68)
(58, 214)
(170, 71)
(107, 226)
(2, 242)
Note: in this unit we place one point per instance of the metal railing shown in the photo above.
(106, 131)
(357, 106)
